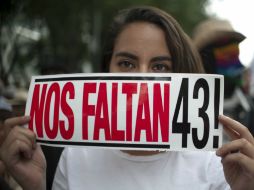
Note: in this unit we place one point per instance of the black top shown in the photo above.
(4, 185)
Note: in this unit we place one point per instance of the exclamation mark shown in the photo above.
(216, 111)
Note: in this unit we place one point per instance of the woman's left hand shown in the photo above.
(237, 155)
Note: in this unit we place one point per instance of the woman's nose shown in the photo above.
(143, 68)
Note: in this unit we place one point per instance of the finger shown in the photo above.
(12, 122)
(28, 134)
(241, 145)
(245, 162)
(233, 135)
(22, 134)
(236, 127)
(16, 152)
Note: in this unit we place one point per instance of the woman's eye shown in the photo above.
(161, 67)
(126, 65)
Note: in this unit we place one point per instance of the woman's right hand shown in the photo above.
(21, 155)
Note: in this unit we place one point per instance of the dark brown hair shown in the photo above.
(185, 57)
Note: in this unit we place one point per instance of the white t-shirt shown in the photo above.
(101, 169)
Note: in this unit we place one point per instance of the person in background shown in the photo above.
(141, 39)
(218, 45)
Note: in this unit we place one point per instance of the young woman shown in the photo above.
(142, 39)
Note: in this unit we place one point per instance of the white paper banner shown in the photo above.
(127, 111)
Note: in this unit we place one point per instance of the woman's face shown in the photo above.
(141, 47)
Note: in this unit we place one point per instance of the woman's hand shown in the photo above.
(237, 155)
(22, 156)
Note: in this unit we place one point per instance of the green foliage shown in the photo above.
(76, 28)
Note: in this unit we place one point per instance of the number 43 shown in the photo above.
(184, 127)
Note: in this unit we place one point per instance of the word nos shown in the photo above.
(127, 111)
(43, 94)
